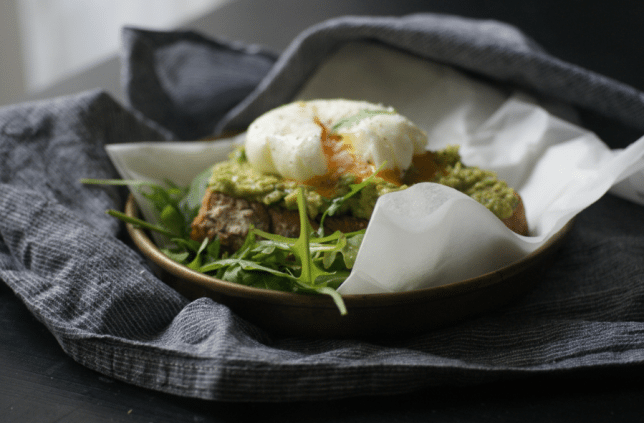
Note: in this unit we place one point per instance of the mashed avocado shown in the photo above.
(237, 178)
(481, 185)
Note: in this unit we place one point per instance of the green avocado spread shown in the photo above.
(237, 178)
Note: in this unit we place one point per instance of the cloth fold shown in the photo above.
(73, 268)
(187, 82)
(488, 48)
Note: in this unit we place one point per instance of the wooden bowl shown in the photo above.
(369, 316)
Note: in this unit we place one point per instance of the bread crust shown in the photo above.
(229, 219)
(517, 222)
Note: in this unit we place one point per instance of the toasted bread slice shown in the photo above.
(230, 218)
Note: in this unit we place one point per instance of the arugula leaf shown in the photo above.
(190, 203)
(244, 264)
(164, 200)
(141, 223)
(272, 262)
(350, 250)
(178, 256)
(213, 249)
(187, 244)
(195, 264)
(337, 203)
(118, 182)
(172, 219)
(301, 248)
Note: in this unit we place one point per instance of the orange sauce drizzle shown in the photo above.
(423, 168)
(341, 159)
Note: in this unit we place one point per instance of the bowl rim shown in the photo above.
(152, 252)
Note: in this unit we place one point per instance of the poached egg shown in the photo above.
(315, 142)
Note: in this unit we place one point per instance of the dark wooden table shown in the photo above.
(39, 383)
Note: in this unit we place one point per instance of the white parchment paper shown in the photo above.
(429, 235)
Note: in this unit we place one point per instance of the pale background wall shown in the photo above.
(12, 82)
(45, 41)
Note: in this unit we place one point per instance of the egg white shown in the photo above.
(287, 140)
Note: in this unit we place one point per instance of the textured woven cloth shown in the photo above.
(73, 268)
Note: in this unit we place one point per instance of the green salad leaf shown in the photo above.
(309, 264)
(337, 203)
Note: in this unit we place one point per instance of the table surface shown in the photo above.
(39, 383)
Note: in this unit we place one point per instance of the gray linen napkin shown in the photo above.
(73, 268)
